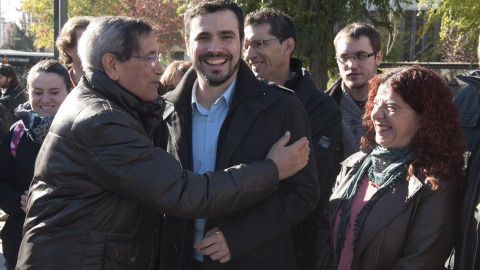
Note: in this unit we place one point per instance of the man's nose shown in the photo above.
(215, 45)
(158, 69)
(250, 53)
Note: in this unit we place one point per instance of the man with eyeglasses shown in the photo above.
(100, 185)
(358, 54)
(270, 39)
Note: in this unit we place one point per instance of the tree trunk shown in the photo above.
(319, 72)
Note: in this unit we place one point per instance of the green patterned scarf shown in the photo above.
(385, 168)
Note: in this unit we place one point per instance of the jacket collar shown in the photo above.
(356, 160)
(295, 66)
(391, 204)
(472, 78)
(335, 91)
(236, 125)
(12, 90)
(139, 109)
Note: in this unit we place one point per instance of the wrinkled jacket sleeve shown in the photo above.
(129, 165)
(431, 236)
(296, 197)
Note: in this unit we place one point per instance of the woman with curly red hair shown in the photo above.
(394, 205)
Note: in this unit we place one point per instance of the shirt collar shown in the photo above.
(227, 95)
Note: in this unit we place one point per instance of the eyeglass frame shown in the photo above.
(154, 60)
(352, 58)
(263, 43)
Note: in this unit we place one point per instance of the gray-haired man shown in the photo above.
(99, 182)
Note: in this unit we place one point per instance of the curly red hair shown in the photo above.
(439, 143)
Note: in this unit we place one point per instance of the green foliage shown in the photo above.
(459, 23)
(22, 40)
(162, 13)
(42, 11)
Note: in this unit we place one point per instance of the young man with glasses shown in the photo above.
(358, 54)
(270, 38)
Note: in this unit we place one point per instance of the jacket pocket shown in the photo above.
(123, 253)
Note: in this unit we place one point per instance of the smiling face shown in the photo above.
(46, 93)
(396, 123)
(355, 74)
(270, 60)
(214, 46)
(136, 75)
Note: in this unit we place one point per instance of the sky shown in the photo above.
(9, 10)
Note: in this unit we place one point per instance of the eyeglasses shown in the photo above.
(260, 44)
(359, 57)
(154, 60)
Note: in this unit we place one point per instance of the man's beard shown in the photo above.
(6, 84)
(216, 79)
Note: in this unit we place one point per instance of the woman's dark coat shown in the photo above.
(410, 227)
(15, 177)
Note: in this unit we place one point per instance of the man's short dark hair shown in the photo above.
(281, 24)
(356, 30)
(202, 7)
(68, 39)
(8, 71)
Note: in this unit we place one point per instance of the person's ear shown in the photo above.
(110, 62)
(378, 58)
(187, 45)
(69, 52)
(289, 46)
(9, 79)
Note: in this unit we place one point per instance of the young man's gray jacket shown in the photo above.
(467, 250)
(100, 185)
(259, 237)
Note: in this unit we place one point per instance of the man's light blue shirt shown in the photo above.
(205, 130)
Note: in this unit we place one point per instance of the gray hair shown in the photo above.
(117, 35)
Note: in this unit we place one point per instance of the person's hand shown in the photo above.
(214, 245)
(23, 201)
(289, 159)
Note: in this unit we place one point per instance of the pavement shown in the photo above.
(2, 259)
